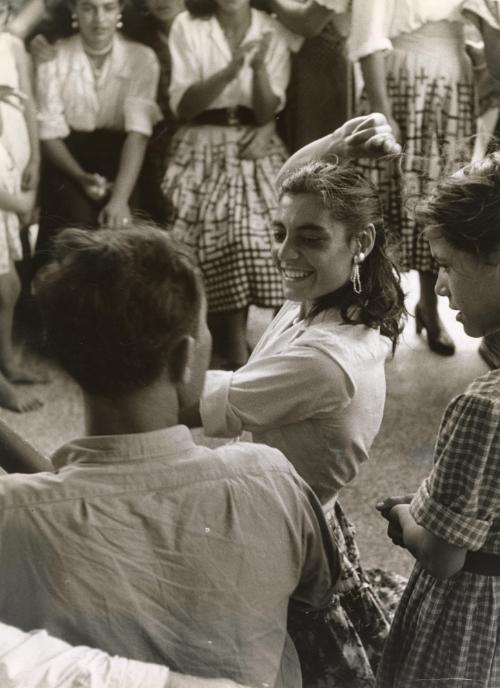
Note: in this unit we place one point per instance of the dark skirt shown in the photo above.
(318, 93)
(63, 203)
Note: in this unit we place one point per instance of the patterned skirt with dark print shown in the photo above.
(430, 87)
(341, 647)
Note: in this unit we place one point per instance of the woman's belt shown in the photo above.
(226, 117)
(483, 563)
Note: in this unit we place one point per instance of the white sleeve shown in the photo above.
(278, 63)
(141, 109)
(186, 67)
(370, 27)
(51, 112)
(487, 10)
(37, 660)
(273, 391)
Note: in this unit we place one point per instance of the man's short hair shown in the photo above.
(115, 303)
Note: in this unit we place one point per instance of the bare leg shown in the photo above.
(229, 335)
(9, 292)
(427, 317)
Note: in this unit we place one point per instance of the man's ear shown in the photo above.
(181, 360)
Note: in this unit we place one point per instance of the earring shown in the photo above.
(74, 21)
(119, 22)
(355, 276)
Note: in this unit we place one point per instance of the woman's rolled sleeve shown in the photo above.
(51, 113)
(218, 417)
(268, 392)
(459, 500)
(278, 64)
(141, 109)
(185, 68)
(370, 28)
(459, 529)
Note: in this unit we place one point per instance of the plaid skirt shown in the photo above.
(445, 634)
(341, 647)
(220, 205)
(431, 91)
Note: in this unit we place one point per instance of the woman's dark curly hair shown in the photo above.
(466, 208)
(353, 201)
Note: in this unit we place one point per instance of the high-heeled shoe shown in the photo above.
(440, 342)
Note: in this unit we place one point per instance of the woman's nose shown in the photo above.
(441, 287)
(287, 251)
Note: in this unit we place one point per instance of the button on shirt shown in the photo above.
(151, 547)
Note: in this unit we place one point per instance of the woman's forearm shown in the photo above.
(17, 455)
(265, 101)
(58, 153)
(10, 202)
(201, 95)
(131, 159)
(374, 77)
(436, 555)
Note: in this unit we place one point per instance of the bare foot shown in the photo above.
(21, 375)
(10, 400)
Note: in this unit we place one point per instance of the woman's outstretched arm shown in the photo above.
(17, 455)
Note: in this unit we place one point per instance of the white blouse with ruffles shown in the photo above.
(123, 97)
(376, 22)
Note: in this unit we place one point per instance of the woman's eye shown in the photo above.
(278, 235)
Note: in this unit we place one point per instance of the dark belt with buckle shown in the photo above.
(226, 117)
(483, 563)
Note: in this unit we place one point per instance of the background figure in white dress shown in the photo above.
(19, 163)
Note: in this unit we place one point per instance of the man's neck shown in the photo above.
(150, 409)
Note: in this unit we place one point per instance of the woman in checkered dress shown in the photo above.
(230, 70)
(417, 73)
(445, 631)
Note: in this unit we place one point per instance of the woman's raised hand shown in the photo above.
(366, 136)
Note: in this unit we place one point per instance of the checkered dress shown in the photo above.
(430, 88)
(446, 633)
(221, 206)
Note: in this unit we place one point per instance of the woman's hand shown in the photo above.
(260, 48)
(26, 210)
(31, 174)
(41, 50)
(115, 214)
(95, 186)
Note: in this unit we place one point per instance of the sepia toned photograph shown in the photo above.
(249, 344)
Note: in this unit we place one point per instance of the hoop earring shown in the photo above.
(74, 21)
(119, 22)
(355, 276)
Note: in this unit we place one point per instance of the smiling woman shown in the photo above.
(314, 386)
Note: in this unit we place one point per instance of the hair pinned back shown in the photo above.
(353, 201)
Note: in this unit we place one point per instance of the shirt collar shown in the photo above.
(93, 449)
(118, 62)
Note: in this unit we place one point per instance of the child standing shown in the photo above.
(19, 164)
(445, 632)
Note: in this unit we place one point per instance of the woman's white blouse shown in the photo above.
(316, 391)
(375, 22)
(123, 97)
(199, 49)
